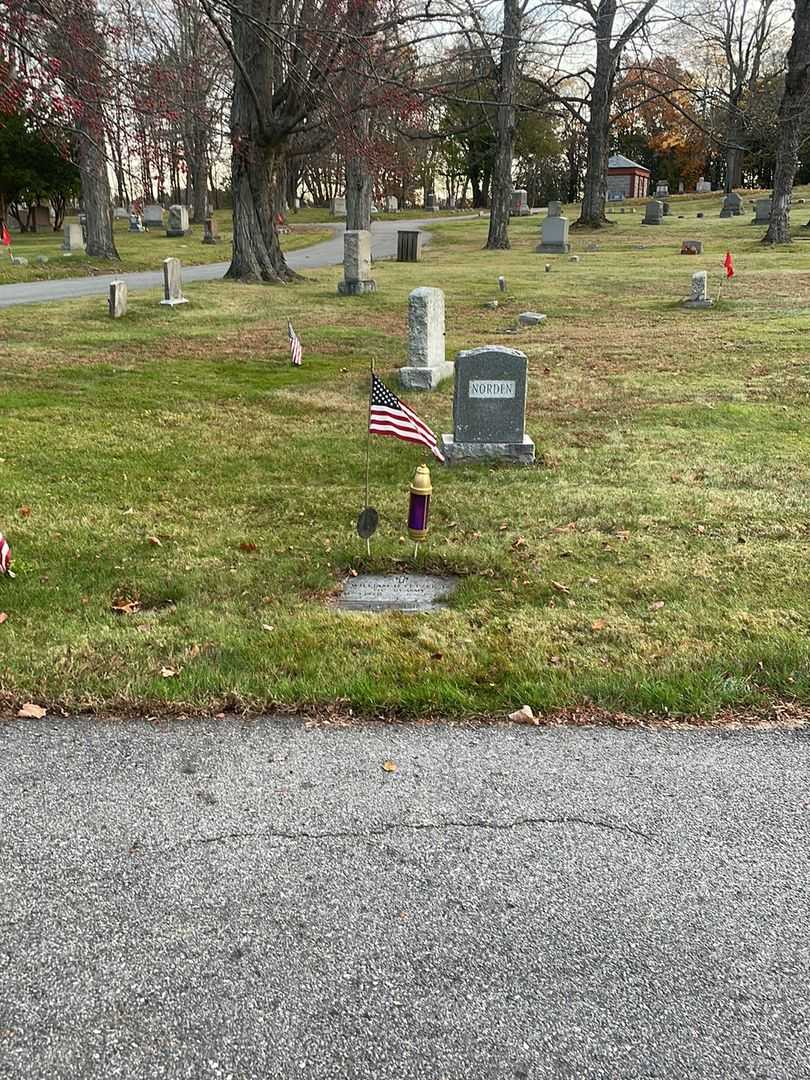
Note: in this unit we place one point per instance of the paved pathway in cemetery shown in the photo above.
(255, 899)
(327, 253)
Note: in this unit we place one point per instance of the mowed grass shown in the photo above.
(653, 563)
(138, 251)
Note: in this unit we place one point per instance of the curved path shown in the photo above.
(327, 253)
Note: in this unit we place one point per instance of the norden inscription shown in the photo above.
(492, 388)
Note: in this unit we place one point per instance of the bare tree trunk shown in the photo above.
(793, 111)
(358, 176)
(257, 254)
(498, 237)
(96, 197)
(592, 215)
(198, 176)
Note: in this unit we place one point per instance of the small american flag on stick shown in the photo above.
(296, 352)
(388, 415)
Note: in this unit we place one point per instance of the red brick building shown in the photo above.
(627, 178)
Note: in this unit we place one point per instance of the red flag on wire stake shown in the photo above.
(296, 352)
(5, 238)
(728, 262)
(387, 415)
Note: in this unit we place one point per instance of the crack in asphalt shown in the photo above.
(395, 826)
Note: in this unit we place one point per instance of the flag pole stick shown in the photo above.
(368, 445)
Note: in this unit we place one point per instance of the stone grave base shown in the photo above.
(521, 453)
(698, 305)
(211, 239)
(425, 378)
(356, 288)
(173, 303)
(176, 233)
(553, 249)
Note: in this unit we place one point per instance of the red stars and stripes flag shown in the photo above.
(5, 555)
(388, 415)
(296, 352)
(728, 262)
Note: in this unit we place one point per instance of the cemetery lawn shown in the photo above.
(180, 503)
(138, 251)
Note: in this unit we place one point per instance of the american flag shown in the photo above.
(5, 555)
(295, 346)
(389, 416)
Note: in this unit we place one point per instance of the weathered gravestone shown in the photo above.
(135, 223)
(489, 407)
(732, 205)
(356, 263)
(409, 593)
(172, 283)
(41, 218)
(117, 300)
(653, 213)
(210, 235)
(430, 200)
(662, 189)
(178, 221)
(519, 205)
(153, 216)
(699, 296)
(73, 240)
(762, 212)
(667, 208)
(554, 232)
(120, 213)
(426, 363)
(391, 204)
(681, 187)
(692, 247)
(339, 206)
(703, 186)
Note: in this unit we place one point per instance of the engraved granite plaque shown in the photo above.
(409, 593)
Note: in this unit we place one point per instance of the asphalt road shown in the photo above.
(259, 899)
(327, 253)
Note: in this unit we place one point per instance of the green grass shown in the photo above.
(653, 563)
(138, 251)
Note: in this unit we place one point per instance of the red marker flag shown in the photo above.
(5, 237)
(728, 262)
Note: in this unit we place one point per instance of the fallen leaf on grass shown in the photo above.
(267, 627)
(124, 605)
(389, 766)
(519, 542)
(3, 617)
(31, 711)
(656, 605)
(154, 541)
(248, 546)
(25, 511)
(558, 585)
(523, 715)
(167, 672)
(599, 624)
